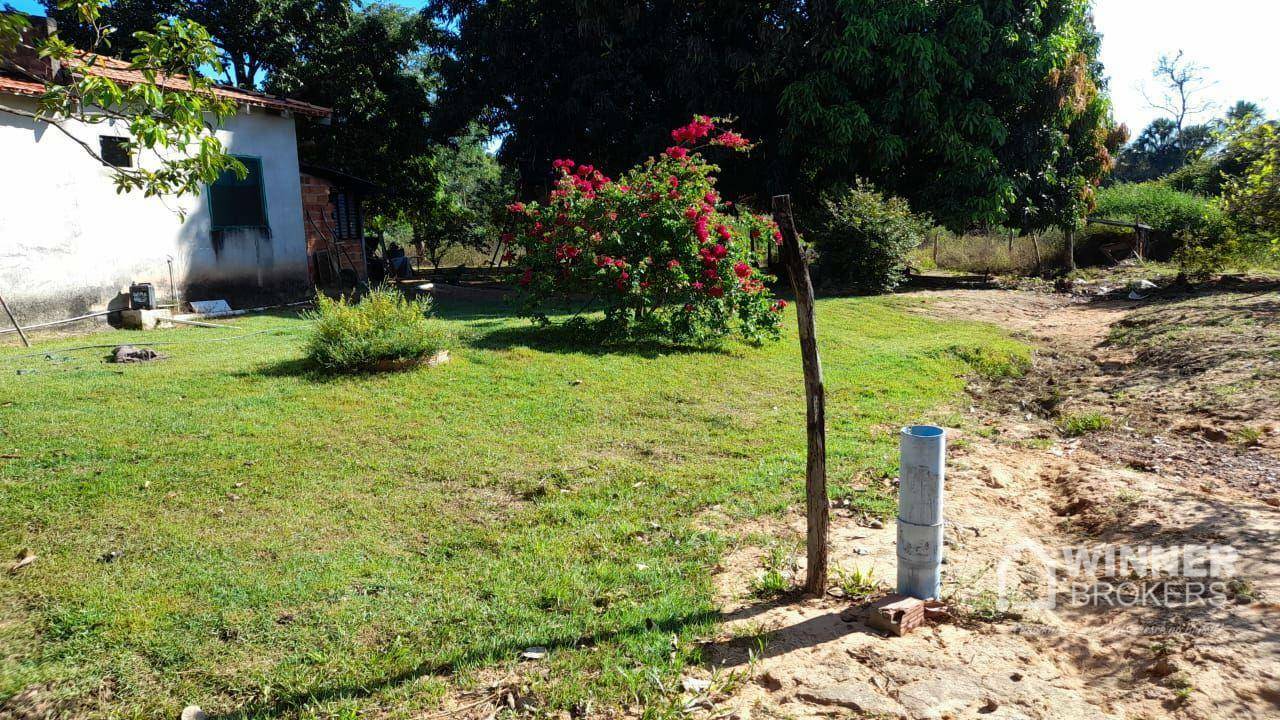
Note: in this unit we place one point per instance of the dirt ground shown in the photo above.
(1187, 453)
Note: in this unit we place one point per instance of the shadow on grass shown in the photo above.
(581, 339)
(732, 652)
(305, 369)
(283, 704)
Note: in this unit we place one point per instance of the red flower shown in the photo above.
(677, 153)
(742, 270)
(720, 251)
(710, 198)
(516, 207)
(716, 291)
(696, 285)
(527, 277)
(508, 256)
(723, 232)
(673, 264)
(731, 140)
(777, 237)
(780, 306)
(694, 131)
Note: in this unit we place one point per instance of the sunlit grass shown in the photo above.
(305, 545)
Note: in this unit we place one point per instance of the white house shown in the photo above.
(70, 245)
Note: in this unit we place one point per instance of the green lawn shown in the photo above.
(301, 546)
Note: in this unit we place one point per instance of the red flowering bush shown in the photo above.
(657, 249)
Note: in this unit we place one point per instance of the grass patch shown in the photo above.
(994, 362)
(1079, 424)
(293, 545)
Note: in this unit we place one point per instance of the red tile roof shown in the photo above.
(119, 71)
(14, 86)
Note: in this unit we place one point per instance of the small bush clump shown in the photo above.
(382, 327)
(1085, 423)
(863, 238)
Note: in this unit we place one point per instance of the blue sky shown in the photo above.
(1231, 38)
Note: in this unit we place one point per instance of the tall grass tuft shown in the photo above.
(384, 327)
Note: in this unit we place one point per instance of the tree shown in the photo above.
(1252, 201)
(917, 96)
(1062, 141)
(458, 199)
(373, 70)
(254, 37)
(165, 112)
(1183, 82)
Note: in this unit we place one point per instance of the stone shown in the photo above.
(695, 685)
(146, 319)
(131, 354)
(857, 696)
(945, 695)
(193, 712)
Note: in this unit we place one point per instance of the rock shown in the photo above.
(876, 524)
(998, 478)
(23, 559)
(695, 685)
(193, 712)
(945, 695)
(534, 653)
(1165, 666)
(857, 696)
(130, 354)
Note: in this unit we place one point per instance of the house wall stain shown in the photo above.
(69, 244)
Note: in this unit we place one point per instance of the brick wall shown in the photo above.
(318, 217)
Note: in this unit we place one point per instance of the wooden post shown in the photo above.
(1071, 249)
(937, 236)
(817, 506)
(1035, 243)
(14, 320)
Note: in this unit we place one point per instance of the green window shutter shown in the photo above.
(238, 202)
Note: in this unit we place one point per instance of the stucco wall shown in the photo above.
(69, 244)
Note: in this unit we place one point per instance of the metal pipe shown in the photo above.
(60, 322)
(922, 471)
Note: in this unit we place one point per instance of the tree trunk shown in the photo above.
(817, 505)
(1071, 250)
(1035, 243)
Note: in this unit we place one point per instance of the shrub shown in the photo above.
(1190, 228)
(863, 238)
(383, 326)
(1252, 201)
(1166, 210)
(663, 255)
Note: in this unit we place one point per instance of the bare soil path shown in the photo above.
(1191, 457)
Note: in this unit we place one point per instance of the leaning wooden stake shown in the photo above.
(816, 469)
(14, 320)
